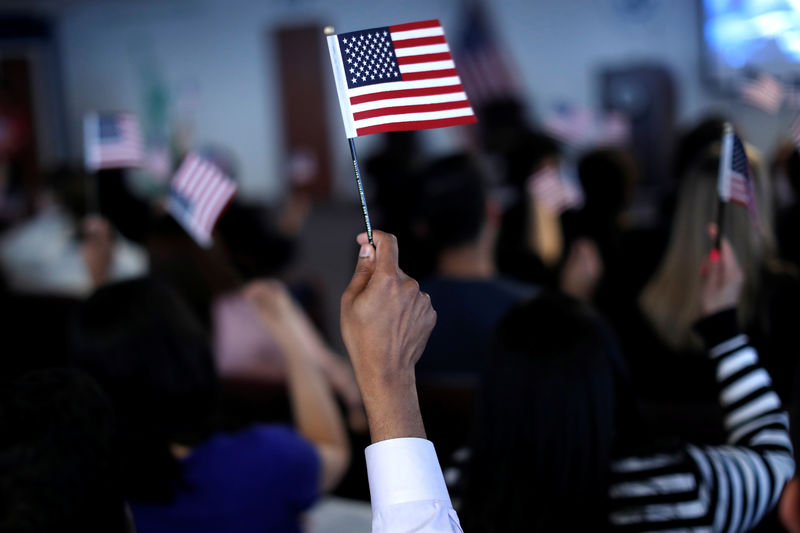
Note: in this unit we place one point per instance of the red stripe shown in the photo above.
(419, 41)
(410, 60)
(409, 109)
(428, 74)
(433, 23)
(417, 125)
(405, 93)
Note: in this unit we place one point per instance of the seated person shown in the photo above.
(559, 433)
(143, 346)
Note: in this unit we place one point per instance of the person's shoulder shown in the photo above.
(516, 288)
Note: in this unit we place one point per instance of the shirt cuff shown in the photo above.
(404, 470)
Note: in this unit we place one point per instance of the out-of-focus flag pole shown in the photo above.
(395, 78)
(723, 183)
(330, 33)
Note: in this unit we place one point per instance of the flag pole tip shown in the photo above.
(328, 30)
(728, 127)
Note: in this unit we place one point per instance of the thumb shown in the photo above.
(364, 269)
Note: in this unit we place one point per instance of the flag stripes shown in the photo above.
(200, 192)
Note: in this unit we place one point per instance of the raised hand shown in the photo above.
(386, 321)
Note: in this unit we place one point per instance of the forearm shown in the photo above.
(314, 408)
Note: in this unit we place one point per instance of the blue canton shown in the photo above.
(368, 57)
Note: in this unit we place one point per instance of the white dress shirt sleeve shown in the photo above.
(407, 488)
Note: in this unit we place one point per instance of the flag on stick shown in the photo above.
(735, 182)
(112, 140)
(548, 187)
(765, 92)
(397, 78)
(199, 193)
(795, 132)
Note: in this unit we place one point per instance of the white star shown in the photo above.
(361, 37)
(395, 74)
(349, 59)
(364, 78)
(362, 69)
(352, 70)
(393, 63)
(380, 75)
(372, 77)
(372, 46)
(385, 34)
(344, 40)
(355, 80)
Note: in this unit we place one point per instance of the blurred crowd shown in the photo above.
(587, 371)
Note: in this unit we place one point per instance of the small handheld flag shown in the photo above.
(552, 190)
(199, 193)
(734, 180)
(395, 78)
(112, 140)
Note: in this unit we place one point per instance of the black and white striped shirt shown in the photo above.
(726, 488)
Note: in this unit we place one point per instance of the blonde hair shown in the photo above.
(671, 300)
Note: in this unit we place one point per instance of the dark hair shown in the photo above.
(607, 176)
(547, 421)
(56, 458)
(141, 343)
(452, 205)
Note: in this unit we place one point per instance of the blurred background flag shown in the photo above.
(397, 78)
(486, 69)
(764, 92)
(112, 140)
(549, 187)
(199, 193)
(795, 131)
(735, 182)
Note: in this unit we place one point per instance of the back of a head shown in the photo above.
(452, 205)
(56, 456)
(142, 345)
(607, 176)
(546, 424)
(671, 299)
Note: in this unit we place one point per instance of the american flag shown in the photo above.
(199, 193)
(764, 92)
(112, 140)
(397, 78)
(795, 132)
(549, 187)
(735, 179)
(486, 68)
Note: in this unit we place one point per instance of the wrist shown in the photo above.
(392, 407)
(718, 327)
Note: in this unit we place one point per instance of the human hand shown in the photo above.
(582, 270)
(722, 278)
(97, 247)
(386, 322)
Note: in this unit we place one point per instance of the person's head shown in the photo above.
(548, 419)
(56, 455)
(530, 151)
(144, 348)
(452, 208)
(695, 141)
(671, 299)
(608, 176)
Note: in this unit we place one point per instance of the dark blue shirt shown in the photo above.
(256, 480)
(467, 312)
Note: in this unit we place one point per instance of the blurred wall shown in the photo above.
(212, 62)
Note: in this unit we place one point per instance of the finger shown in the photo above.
(712, 230)
(362, 239)
(386, 251)
(364, 269)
